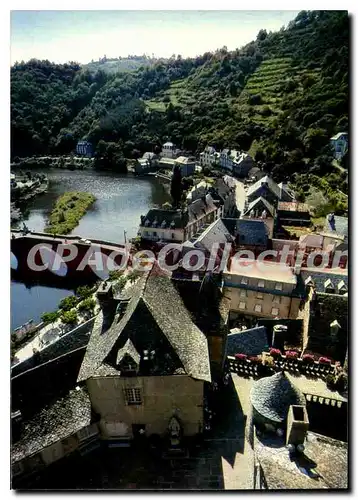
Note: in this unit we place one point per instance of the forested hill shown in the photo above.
(281, 96)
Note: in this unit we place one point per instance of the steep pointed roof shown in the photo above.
(259, 200)
(272, 397)
(154, 320)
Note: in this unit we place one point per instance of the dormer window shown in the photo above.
(342, 288)
(163, 224)
(309, 281)
(146, 223)
(328, 286)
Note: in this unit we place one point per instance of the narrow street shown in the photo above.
(240, 195)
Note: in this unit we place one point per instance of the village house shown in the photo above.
(168, 150)
(261, 209)
(160, 225)
(149, 367)
(293, 214)
(209, 157)
(268, 189)
(186, 164)
(223, 191)
(148, 161)
(251, 234)
(237, 162)
(266, 289)
(339, 143)
(84, 148)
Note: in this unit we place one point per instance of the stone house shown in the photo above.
(150, 366)
(262, 289)
(176, 226)
(186, 164)
(268, 189)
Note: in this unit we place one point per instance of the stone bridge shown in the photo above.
(78, 260)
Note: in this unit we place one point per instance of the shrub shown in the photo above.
(69, 317)
(84, 291)
(114, 275)
(331, 382)
(50, 317)
(324, 361)
(87, 305)
(275, 353)
(68, 303)
(291, 354)
(308, 358)
(241, 356)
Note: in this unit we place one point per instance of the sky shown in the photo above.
(81, 36)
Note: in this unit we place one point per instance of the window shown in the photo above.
(173, 236)
(261, 284)
(242, 305)
(258, 308)
(154, 233)
(260, 295)
(278, 286)
(276, 299)
(243, 294)
(133, 396)
(274, 311)
(244, 281)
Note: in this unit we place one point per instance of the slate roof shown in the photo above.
(129, 349)
(215, 233)
(268, 207)
(323, 465)
(273, 187)
(272, 397)
(252, 232)
(53, 423)
(78, 337)
(177, 218)
(319, 279)
(201, 207)
(292, 206)
(155, 320)
(251, 342)
(337, 224)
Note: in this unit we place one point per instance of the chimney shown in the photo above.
(297, 425)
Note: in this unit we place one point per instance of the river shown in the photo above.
(120, 201)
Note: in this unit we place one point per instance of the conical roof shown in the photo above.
(272, 396)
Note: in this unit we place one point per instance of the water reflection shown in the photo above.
(121, 200)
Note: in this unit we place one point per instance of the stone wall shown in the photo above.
(162, 397)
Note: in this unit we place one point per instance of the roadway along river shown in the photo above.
(121, 200)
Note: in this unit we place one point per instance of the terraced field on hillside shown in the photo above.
(179, 94)
(263, 93)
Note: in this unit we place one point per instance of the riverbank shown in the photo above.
(63, 162)
(68, 211)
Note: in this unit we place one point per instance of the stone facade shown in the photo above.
(161, 397)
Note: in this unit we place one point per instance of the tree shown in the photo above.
(176, 186)
(50, 317)
(69, 317)
(68, 303)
